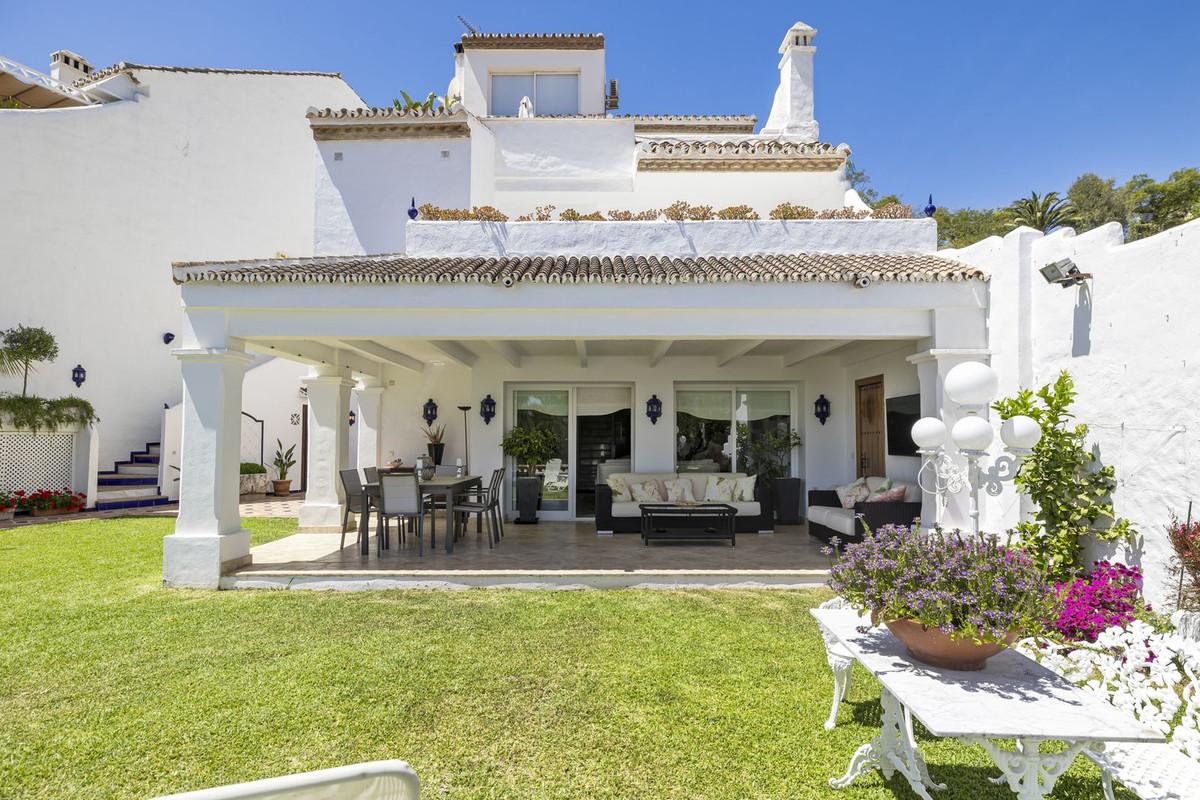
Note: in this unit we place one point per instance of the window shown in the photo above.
(720, 429)
(552, 93)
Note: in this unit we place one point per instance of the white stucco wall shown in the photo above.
(480, 64)
(98, 201)
(364, 189)
(1125, 338)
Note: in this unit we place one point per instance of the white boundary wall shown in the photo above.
(1126, 338)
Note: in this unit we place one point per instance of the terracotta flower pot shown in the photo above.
(282, 487)
(53, 511)
(931, 646)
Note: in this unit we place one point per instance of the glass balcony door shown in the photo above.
(729, 428)
(548, 409)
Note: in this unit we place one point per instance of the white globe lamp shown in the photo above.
(972, 434)
(972, 384)
(929, 433)
(1020, 433)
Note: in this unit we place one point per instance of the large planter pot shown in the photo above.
(7, 516)
(931, 646)
(282, 487)
(54, 512)
(529, 492)
(787, 493)
(436, 451)
(257, 483)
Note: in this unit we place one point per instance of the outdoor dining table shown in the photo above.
(1012, 697)
(447, 487)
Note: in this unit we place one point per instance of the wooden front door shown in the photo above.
(869, 415)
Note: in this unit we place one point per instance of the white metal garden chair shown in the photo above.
(373, 780)
(840, 662)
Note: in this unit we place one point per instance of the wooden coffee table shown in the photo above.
(688, 522)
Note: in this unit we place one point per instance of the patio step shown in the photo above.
(133, 502)
(132, 483)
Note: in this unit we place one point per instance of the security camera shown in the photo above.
(862, 282)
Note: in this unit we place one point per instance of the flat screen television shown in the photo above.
(902, 412)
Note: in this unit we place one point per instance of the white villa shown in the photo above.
(276, 206)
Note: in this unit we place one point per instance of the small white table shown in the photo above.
(1013, 697)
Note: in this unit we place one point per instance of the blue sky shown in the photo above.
(977, 103)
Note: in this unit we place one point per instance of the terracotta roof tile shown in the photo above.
(533, 41)
(509, 270)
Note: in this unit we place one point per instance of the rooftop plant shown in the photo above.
(792, 211)
(737, 212)
(970, 587)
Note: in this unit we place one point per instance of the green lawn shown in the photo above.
(111, 686)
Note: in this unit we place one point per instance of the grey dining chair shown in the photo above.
(485, 504)
(371, 474)
(355, 497)
(400, 498)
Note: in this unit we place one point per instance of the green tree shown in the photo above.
(22, 348)
(861, 183)
(1073, 492)
(1098, 201)
(966, 226)
(1042, 212)
(1161, 205)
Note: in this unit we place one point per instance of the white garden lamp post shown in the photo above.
(972, 387)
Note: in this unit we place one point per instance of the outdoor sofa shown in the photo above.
(827, 517)
(626, 517)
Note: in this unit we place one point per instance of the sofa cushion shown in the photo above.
(620, 488)
(747, 509)
(876, 484)
(650, 491)
(700, 480)
(679, 490)
(745, 489)
(721, 489)
(641, 477)
(841, 520)
(854, 492)
(892, 495)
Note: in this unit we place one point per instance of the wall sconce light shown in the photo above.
(79, 375)
(429, 411)
(412, 210)
(487, 409)
(653, 409)
(821, 409)
(353, 417)
(168, 337)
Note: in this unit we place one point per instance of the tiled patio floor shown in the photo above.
(549, 553)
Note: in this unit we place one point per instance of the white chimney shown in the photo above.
(792, 111)
(67, 67)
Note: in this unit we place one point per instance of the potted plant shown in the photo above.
(769, 456)
(436, 447)
(953, 600)
(530, 447)
(253, 479)
(283, 462)
(8, 506)
(50, 502)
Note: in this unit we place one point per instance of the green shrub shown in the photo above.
(792, 211)
(250, 468)
(35, 413)
(737, 212)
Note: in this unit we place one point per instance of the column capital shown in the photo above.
(328, 380)
(214, 355)
(940, 353)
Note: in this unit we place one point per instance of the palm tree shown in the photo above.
(1045, 212)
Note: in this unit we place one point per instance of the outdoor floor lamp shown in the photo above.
(971, 386)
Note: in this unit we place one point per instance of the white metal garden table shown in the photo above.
(1012, 698)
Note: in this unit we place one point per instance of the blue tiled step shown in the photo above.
(137, 502)
(144, 458)
(116, 479)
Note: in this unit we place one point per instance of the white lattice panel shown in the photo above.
(33, 461)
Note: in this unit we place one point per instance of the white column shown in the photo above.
(328, 451)
(208, 538)
(370, 423)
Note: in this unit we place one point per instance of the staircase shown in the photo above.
(132, 483)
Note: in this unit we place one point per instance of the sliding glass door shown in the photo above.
(725, 429)
(548, 409)
(593, 430)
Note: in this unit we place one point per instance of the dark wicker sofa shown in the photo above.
(743, 523)
(825, 526)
